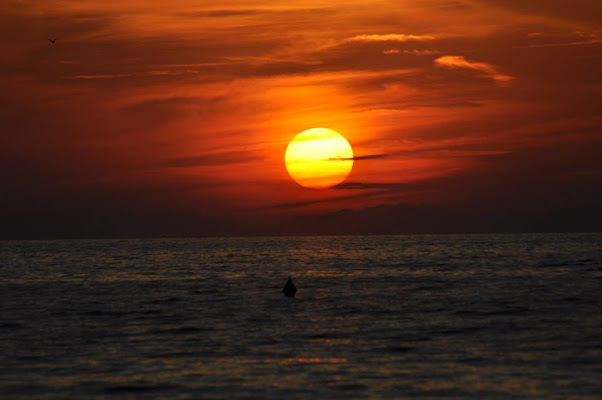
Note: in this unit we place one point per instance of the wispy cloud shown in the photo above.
(415, 52)
(390, 37)
(169, 72)
(215, 159)
(562, 39)
(100, 76)
(357, 158)
(390, 186)
(567, 44)
(488, 70)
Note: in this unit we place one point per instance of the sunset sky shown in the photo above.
(154, 118)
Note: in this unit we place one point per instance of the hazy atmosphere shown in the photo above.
(172, 118)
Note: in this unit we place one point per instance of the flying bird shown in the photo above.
(52, 40)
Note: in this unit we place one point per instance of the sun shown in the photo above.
(319, 158)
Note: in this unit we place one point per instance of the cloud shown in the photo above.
(391, 186)
(169, 72)
(215, 159)
(220, 13)
(357, 158)
(314, 201)
(258, 12)
(562, 39)
(391, 37)
(415, 52)
(566, 44)
(101, 76)
(487, 69)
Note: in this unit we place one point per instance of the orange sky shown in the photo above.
(186, 108)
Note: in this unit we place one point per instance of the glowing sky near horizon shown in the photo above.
(189, 105)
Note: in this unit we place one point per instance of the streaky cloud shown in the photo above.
(390, 37)
(214, 159)
(488, 70)
(390, 186)
(415, 52)
(358, 158)
(100, 76)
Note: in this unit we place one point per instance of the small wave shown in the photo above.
(327, 336)
(460, 331)
(319, 336)
(167, 300)
(207, 291)
(430, 287)
(416, 339)
(467, 312)
(181, 330)
(401, 349)
(137, 388)
(317, 360)
(473, 360)
(102, 312)
(513, 311)
(351, 387)
(518, 310)
(10, 325)
(30, 358)
(179, 354)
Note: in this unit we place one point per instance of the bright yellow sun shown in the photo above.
(319, 158)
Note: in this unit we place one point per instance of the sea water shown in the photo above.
(455, 316)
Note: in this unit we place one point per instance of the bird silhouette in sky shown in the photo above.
(52, 40)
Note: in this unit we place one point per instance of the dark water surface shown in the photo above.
(475, 316)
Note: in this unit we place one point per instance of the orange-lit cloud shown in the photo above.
(414, 51)
(390, 37)
(487, 69)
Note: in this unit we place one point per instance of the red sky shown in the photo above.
(172, 118)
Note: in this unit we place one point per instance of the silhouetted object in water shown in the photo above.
(52, 40)
(289, 289)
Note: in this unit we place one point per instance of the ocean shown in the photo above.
(381, 317)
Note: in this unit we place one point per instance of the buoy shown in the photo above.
(289, 289)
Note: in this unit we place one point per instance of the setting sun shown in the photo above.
(319, 158)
